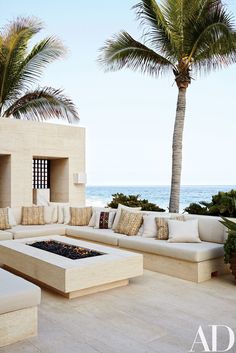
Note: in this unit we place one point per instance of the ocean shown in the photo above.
(101, 195)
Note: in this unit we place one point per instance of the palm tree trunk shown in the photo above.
(177, 151)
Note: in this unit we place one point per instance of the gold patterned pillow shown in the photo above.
(162, 226)
(129, 223)
(80, 216)
(4, 222)
(33, 215)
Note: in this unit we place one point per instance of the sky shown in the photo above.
(129, 117)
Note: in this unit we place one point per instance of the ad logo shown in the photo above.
(200, 343)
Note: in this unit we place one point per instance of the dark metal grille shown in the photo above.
(40, 174)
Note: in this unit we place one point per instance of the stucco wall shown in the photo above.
(25, 140)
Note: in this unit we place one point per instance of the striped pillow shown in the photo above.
(162, 228)
(129, 223)
(33, 215)
(104, 220)
(4, 222)
(80, 216)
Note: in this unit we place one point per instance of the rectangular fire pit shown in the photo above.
(72, 252)
(111, 267)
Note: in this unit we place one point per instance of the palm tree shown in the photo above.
(185, 37)
(20, 69)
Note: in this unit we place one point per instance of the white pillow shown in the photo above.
(149, 226)
(60, 215)
(17, 213)
(11, 217)
(118, 213)
(183, 232)
(95, 210)
(110, 219)
(140, 232)
(66, 214)
(49, 214)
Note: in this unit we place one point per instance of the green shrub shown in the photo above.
(230, 244)
(196, 208)
(222, 204)
(133, 201)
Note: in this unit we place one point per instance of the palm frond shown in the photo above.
(156, 29)
(13, 49)
(43, 53)
(125, 52)
(213, 25)
(31, 68)
(15, 27)
(43, 104)
(230, 225)
(173, 11)
(214, 57)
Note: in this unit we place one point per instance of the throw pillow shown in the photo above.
(104, 220)
(4, 223)
(149, 226)
(162, 228)
(66, 214)
(80, 216)
(11, 217)
(33, 215)
(59, 213)
(118, 213)
(98, 209)
(162, 225)
(183, 232)
(140, 232)
(129, 223)
(49, 214)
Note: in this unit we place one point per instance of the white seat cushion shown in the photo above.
(194, 252)
(17, 293)
(21, 231)
(4, 235)
(106, 236)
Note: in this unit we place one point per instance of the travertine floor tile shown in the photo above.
(154, 314)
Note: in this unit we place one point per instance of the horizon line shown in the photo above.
(158, 185)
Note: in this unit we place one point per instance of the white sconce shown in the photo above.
(80, 178)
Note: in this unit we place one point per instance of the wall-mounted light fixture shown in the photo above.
(80, 178)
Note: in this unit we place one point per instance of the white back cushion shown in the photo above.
(11, 217)
(50, 214)
(60, 206)
(17, 214)
(210, 229)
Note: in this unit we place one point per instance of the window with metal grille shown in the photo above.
(40, 174)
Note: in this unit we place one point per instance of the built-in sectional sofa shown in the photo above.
(190, 261)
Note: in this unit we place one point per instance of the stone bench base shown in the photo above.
(18, 325)
(190, 271)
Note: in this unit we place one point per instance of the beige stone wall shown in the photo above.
(21, 141)
(5, 178)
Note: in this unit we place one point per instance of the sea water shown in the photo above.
(102, 195)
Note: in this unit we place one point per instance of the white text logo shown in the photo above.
(200, 343)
